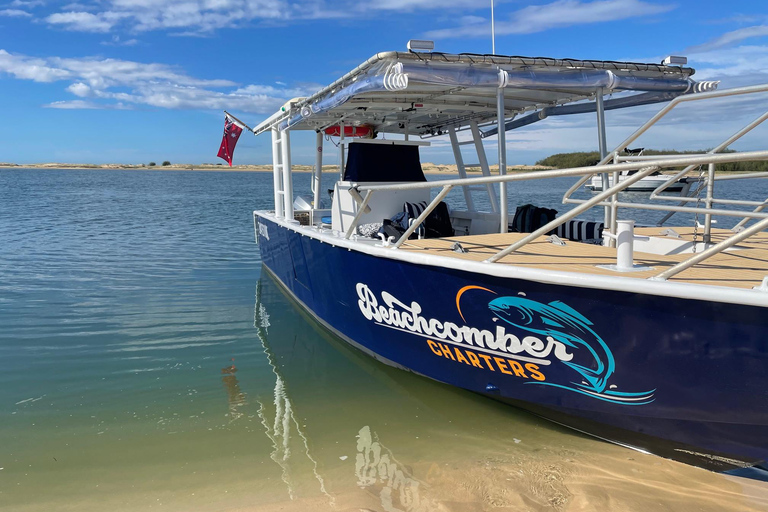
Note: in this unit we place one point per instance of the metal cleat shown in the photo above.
(670, 233)
(457, 247)
(556, 240)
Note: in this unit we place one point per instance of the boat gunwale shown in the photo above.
(626, 284)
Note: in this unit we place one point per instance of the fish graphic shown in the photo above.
(563, 324)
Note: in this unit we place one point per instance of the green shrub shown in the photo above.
(566, 160)
(581, 159)
(152, 164)
(166, 163)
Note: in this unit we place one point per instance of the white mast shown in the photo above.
(493, 32)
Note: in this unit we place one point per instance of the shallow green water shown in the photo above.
(146, 362)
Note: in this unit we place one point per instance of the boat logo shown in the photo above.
(540, 335)
(263, 230)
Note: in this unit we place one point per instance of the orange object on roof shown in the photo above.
(350, 131)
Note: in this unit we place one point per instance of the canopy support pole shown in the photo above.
(318, 174)
(601, 141)
(277, 167)
(503, 211)
(285, 147)
(710, 194)
(482, 159)
(460, 167)
(341, 151)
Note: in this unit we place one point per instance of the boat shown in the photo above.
(647, 184)
(654, 338)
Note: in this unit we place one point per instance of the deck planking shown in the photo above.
(743, 268)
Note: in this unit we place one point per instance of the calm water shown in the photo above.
(146, 363)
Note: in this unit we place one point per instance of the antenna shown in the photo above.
(493, 32)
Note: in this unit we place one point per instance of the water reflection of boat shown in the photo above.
(350, 431)
(338, 420)
(277, 418)
(375, 467)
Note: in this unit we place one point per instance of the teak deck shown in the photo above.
(744, 267)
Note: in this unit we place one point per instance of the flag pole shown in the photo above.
(239, 121)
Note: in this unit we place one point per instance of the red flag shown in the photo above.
(231, 133)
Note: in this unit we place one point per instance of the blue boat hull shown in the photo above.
(679, 378)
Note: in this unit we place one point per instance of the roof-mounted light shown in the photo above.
(675, 60)
(421, 44)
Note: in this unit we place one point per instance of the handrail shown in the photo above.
(727, 142)
(686, 197)
(684, 209)
(598, 200)
(747, 219)
(686, 98)
(661, 113)
(360, 210)
(644, 165)
(642, 173)
(741, 156)
(715, 249)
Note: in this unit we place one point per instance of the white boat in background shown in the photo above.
(656, 341)
(647, 184)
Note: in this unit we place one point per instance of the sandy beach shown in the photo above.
(428, 167)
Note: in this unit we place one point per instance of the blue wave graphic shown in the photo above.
(569, 327)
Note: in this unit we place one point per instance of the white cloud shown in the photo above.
(562, 13)
(15, 13)
(112, 83)
(744, 63)
(27, 4)
(145, 15)
(116, 41)
(80, 89)
(200, 17)
(87, 105)
(469, 20)
(409, 5)
(83, 21)
(731, 38)
(30, 68)
(268, 90)
(73, 105)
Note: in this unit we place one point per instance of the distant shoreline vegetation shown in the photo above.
(427, 167)
(588, 158)
(556, 161)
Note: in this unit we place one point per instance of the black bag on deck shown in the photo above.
(529, 218)
(390, 228)
(438, 223)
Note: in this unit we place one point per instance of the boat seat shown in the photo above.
(578, 230)
(384, 204)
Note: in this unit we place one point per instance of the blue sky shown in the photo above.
(135, 81)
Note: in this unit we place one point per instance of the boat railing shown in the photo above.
(688, 193)
(644, 168)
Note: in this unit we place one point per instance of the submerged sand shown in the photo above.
(561, 481)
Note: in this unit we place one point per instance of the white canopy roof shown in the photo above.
(423, 93)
